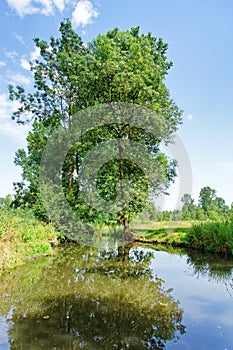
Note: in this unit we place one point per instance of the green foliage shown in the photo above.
(188, 209)
(210, 207)
(6, 202)
(214, 207)
(22, 236)
(212, 237)
(206, 198)
(70, 76)
(167, 236)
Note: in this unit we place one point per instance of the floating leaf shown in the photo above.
(46, 317)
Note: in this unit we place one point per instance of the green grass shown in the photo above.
(163, 236)
(162, 225)
(210, 237)
(23, 237)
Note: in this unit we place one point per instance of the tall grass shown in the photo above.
(213, 237)
(22, 237)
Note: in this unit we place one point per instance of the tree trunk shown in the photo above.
(120, 152)
(70, 171)
(77, 172)
(123, 252)
(69, 156)
(127, 234)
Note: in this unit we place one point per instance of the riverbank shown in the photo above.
(209, 237)
(172, 237)
(23, 237)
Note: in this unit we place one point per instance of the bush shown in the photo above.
(213, 237)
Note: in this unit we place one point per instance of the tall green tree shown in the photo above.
(206, 198)
(214, 207)
(188, 208)
(221, 206)
(69, 77)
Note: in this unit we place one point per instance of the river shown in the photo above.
(134, 298)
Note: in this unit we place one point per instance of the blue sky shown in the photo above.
(199, 34)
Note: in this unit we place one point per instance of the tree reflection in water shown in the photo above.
(85, 299)
(217, 268)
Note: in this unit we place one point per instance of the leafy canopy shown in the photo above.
(70, 76)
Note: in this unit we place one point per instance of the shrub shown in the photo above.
(213, 237)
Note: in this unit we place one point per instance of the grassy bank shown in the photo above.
(210, 237)
(166, 236)
(23, 237)
(213, 237)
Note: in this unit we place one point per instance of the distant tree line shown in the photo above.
(209, 207)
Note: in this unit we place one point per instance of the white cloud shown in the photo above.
(19, 38)
(7, 106)
(46, 7)
(22, 7)
(59, 4)
(25, 64)
(13, 130)
(30, 7)
(19, 79)
(7, 126)
(11, 55)
(190, 117)
(34, 55)
(2, 64)
(83, 13)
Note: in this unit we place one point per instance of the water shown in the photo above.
(136, 298)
